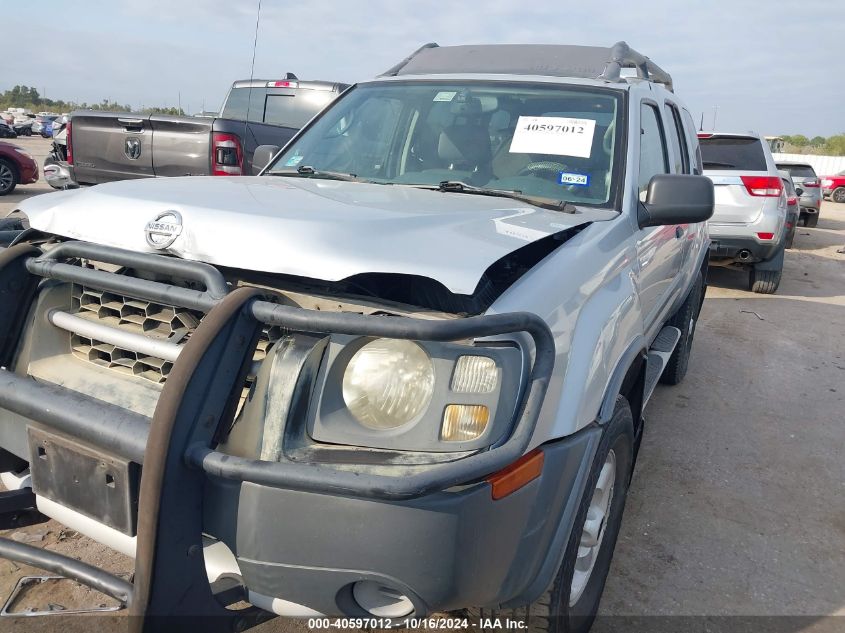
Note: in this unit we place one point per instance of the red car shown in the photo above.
(16, 167)
(833, 187)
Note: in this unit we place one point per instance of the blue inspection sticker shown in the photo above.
(577, 180)
(293, 161)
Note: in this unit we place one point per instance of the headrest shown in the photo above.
(464, 144)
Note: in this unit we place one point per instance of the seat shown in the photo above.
(464, 154)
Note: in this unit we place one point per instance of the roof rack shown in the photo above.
(623, 56)
(589, 62)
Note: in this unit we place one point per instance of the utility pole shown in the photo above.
(715, 112)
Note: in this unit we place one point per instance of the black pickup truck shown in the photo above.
(107, 146)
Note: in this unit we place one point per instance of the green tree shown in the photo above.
(835, 145)
(817, 141)
(799, 140)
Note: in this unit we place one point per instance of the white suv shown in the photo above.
(748, 226)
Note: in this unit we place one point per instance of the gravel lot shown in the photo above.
(737, 507)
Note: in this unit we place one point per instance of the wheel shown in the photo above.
(813, 219)
(571, 603)
(685, 320)
(8, 177)
(790, 239)
(764, 282)
(838, 195)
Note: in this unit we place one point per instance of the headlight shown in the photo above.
(388, 383)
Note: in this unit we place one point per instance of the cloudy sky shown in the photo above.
(764, 66)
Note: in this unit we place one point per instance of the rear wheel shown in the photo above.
(790, 239)
(838, 195)
(812, 219)
(571, 603)
(764, 282)
(8, 177)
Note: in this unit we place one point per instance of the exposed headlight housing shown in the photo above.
(422, 396)
(388, 383)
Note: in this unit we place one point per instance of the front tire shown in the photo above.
(8, 177)
(571, 603)
(838, 195)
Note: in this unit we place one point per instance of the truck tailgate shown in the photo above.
(181, 145)
(111, 146)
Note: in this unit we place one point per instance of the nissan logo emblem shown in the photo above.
(163, 230)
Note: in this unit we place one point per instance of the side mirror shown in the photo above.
(676, 199)
(799, 191)
(262, 155)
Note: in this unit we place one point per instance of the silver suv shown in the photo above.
(808, 186)
(401, 371)
(748, 227)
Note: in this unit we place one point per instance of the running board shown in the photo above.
(658, 357)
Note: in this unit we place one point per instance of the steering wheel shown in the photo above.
(542, 166)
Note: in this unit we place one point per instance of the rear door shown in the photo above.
(737, 166)
(111, 146)
(658, 247)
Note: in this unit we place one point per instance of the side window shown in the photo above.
(697, 163)
(677, 139)
(653, 158)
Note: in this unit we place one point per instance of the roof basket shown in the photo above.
(623, 56)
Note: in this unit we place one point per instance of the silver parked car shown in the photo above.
(810, 199)
(402, 371)
(748, 227)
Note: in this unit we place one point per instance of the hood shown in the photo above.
(320, 229)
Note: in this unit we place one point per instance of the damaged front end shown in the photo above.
(178, 412)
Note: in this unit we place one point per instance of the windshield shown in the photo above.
(541, 141)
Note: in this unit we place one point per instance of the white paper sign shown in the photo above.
(562, 136)
(445, 95)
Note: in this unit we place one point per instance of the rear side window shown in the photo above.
(697, 167)
(676, 139)
(653, 158)
(799, 171)
(733, 152)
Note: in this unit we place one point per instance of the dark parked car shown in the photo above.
(16, 167)
(7, 131)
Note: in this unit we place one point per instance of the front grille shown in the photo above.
(154, 320)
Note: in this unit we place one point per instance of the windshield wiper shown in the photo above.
(306, 171)
(456, 186)
(715, 163)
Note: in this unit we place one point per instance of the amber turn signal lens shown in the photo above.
(511, 478)
(464, 422)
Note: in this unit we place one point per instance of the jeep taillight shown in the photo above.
(766, 186)
(812, 184)
(791, 201)
(69, 142)
(227, 157)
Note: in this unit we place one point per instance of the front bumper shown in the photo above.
(301, 530)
